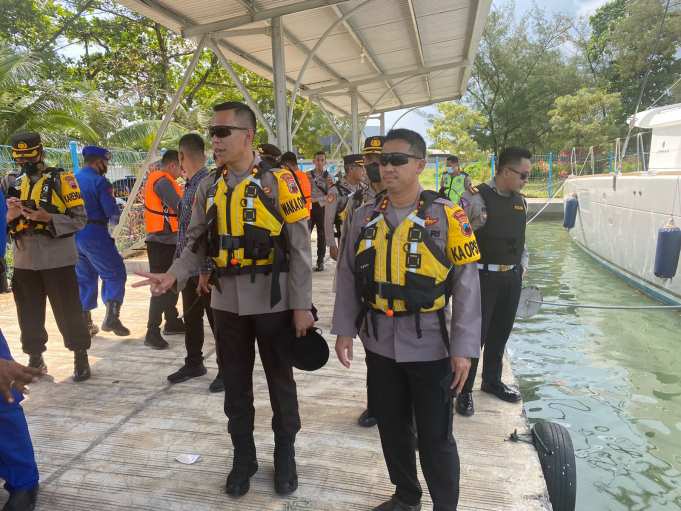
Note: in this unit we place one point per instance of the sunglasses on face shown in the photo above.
(223, 131)
(523, 175)
(396, 159)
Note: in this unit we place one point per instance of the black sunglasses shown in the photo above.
(223, 131)
(523, 175)
(396, 159)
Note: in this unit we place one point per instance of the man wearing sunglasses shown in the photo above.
(498, 214)
(262, 286)
(405, 255)
(337, 199)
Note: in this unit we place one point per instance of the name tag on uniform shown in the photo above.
(518, 208)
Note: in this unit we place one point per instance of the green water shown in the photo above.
(612, 377)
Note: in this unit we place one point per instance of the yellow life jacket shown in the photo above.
(43, 194)
(246, 232)
(402, 270)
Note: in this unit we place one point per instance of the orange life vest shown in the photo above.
(305, 188)
(156, 214)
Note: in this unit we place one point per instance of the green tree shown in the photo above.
(452, 130)
(588, 117)
(518, 73)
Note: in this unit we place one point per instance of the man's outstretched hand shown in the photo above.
(159, 283)
(15, 376)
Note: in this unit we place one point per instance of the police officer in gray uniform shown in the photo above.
(320, 181)
(399, 308)
(251, 302)
(498, 214)
(338, 196)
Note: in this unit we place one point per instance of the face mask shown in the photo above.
(32, 168)
(373, 172)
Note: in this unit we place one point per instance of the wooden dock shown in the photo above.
(109, 444)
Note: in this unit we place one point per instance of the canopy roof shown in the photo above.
(394, 53)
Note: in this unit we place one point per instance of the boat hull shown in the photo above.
(618, 221)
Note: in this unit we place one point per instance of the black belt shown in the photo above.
(98, 222)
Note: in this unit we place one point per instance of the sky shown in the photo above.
(574, 8)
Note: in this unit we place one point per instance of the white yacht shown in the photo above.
(619, 215)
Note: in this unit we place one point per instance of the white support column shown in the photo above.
(354, 112)
(167, 117)
(279, 78)
(244, 91)
(381, 124)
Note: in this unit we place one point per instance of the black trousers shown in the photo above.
(400, 393)
(30, 289)
(236, 336)
(161, 257)
(317, 220)
(194, 306)
(500, 293)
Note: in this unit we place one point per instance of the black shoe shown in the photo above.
(502, 391)
(22, 500)
(285, 474)
(187, 372)
(112, 322)
(365, 420)
(173, 327)
(395, 504)
(464, 404)
(154, 340)
(244, 466)
(91, 327)
(81, 366)
(217, 385)
(320, 266)
(37, 362)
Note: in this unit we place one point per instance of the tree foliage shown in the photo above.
(452, 130)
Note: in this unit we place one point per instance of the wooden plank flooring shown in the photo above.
(109, 444)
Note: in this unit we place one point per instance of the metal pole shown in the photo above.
(354, 111)
(334, 127)
(437, 173)
(381, 129)
(550, 183)
(167, 117)
(593, 160)
(279, 78)
(491, 165)
(244, 91)
(73, 147)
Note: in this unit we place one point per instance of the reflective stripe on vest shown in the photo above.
(157, 214)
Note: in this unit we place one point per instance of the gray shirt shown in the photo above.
(319, 187)
(475, 208)
(34, 251)
(169, 197)
(397, 337)
(237, 294)
(335, 202)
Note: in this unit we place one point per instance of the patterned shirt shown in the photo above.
(185, 209)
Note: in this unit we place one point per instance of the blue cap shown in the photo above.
(93, 150)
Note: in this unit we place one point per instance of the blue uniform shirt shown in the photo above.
(97, 193)
(5, 354)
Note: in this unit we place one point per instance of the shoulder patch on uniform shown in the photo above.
(70, 191)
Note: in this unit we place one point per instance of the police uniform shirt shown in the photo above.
(397, 338)
(320, 186)
(237, 294)
(40, 252)
(474, 206)
(97, 192)
(333, 202)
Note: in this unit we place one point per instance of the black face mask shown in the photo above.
(31, 168)
(373, 172)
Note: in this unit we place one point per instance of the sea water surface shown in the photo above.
(612, 377)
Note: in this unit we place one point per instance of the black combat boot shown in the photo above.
(244, 466)
(217, 385)
(366, 419)
(154, 340)
(22, 500)
(173, 326)
(112, 322)
(91, 327)
(37, 362)
(285, 474)
(81, 366)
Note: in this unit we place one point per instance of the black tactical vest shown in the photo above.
(502, 239)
